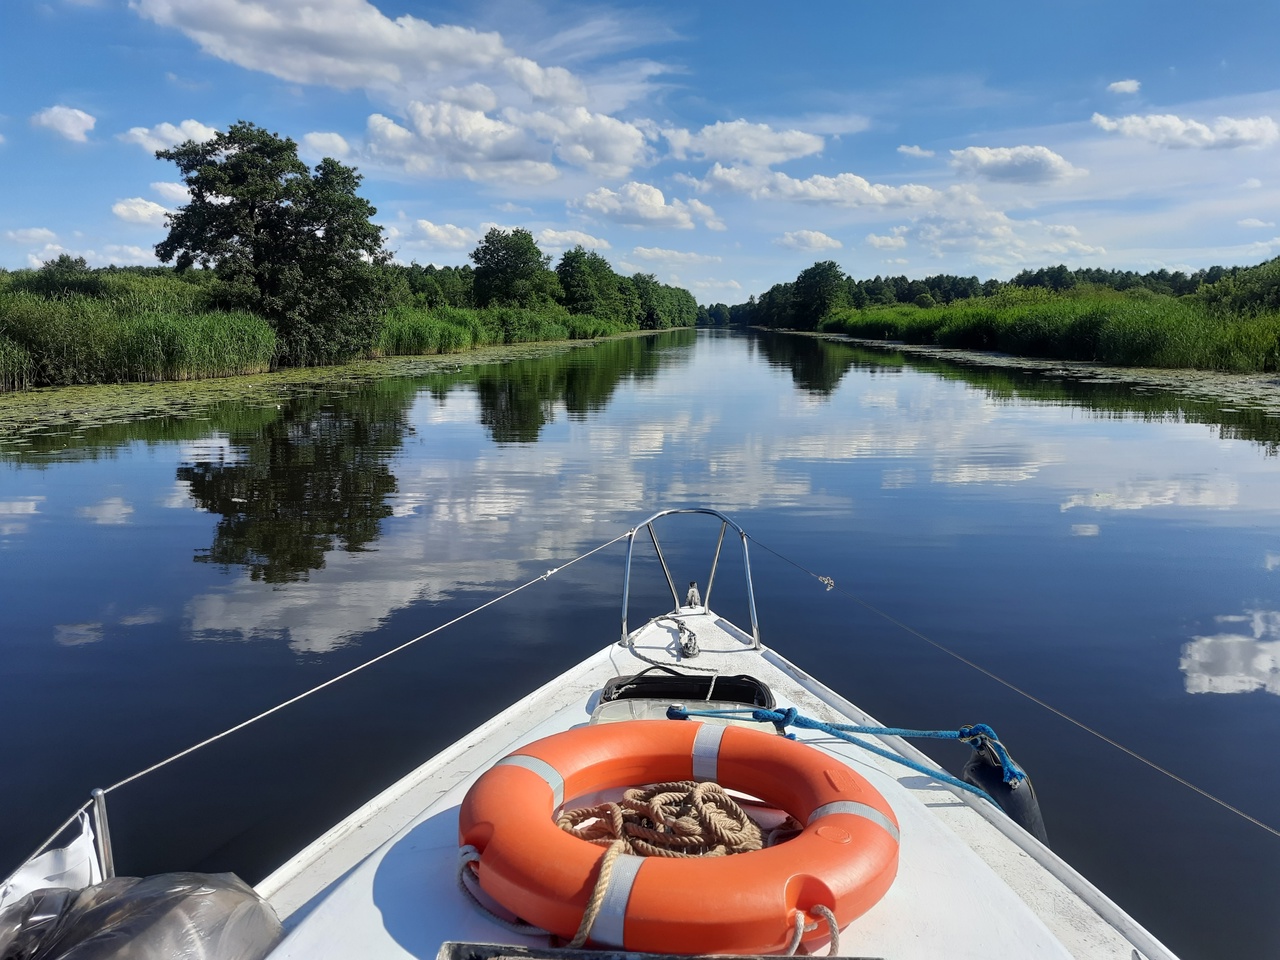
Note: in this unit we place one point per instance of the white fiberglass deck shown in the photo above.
(970, 883)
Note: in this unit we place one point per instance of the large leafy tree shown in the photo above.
(817, 291)
(512, 272)
(590, 286)
(296, 246)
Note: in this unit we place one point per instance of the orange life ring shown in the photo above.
(844, 859)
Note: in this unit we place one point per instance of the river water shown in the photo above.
(1111, 550)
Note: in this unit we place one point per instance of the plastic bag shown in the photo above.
(172, 916)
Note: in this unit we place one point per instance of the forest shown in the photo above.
(1222, 318)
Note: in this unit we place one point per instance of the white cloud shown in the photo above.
(444, 235)
(844, 189)
(1124, 86)
(49, 252)
(716, 285)
(1023, 164)
(962, 224)
(560, 240)
(326, 145)
(122, 254)
(1253, 183)
(66, 122)
(756, 144)
(661, 255)
(1255, 222)
(140, 210)
(896, 241)
(118, 254)
(474, 96)
(643, 204)
(807, 240)
(1168, 130)
(172, 192)
(551, 84)
(165, 135)
(447, 139)
(598, 143)
(341, 43)
(914, 151)
(31, 235)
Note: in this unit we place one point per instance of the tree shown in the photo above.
(818, 290)
(512, 272)
(663, 306)
(297, 247)
(590, 286)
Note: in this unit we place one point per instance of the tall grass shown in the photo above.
(1119, 329)
(15, 365)
(75, 338)
(410, 331)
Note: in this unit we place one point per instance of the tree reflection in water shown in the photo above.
(318, 477)
(314, 480)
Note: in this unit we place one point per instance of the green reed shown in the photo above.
(1119, 329)
(410, 331)
(74, 338)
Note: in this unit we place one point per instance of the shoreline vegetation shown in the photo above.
(65, 324)
(1221, 319)
(277, 264)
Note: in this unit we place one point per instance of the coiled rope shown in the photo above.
(679, 819)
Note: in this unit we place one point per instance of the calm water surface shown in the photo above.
(1114, 552)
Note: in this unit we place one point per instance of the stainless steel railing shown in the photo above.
(725, 525)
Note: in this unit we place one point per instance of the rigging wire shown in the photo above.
(354, 670)
(830, 584)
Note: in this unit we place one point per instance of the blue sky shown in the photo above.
(722, 146)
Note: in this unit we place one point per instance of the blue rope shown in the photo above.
(976, 736)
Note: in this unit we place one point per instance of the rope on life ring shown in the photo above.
(840, 864)
(681, 819)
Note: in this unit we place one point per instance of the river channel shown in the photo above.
(174, 560)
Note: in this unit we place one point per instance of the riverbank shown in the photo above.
(65, 324)
(1117, 328)
(1258, 391)
(77, 407)
(84, 340)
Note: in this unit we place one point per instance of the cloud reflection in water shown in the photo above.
(1236, 662)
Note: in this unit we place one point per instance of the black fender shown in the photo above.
(1018, 800)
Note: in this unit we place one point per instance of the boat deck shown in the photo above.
(970, 884)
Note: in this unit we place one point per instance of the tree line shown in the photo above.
(825, 289)
(264, 239)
